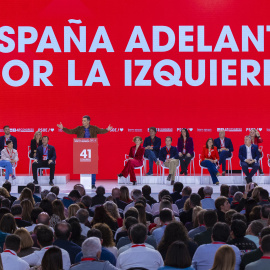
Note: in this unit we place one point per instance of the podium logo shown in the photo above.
(180, 129)
(86, 155)
(230, 129)
(116, 130)
(249, 129)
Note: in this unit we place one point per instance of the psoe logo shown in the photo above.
(165, 129)
(134, 129)
(230, 129)
(249, 129)
(204, 129)
(180, 129)
(116, 130)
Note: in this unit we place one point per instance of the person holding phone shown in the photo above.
(209, 159)
(256, 139)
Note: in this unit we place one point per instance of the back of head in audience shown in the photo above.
(224, 259)
(76, 228)
(8, 224)
(74, 195)
(44, 236)
(255, 213)
(55, 190)
(5, 203)
(208, 191)
(26, 239)
(94, 233)
(51, 196)
(165, 204)
(82, 215)
(224, 190)
(201, 193)
(91, 248)
(34, 214)
(265, 211)
(80, 188)
(195, 200)
(178, 187)
(86, 200)
(221, 232)
(255, 228)
(116, 193)
(264, 195)
(16, 210)
(228, 216)
(136, 194)
(132, 212)
(7, 186)
(13, 242)
(138, 233)
(186, 191)
(62, 230)
(266, 245)
(46, 205)
(100, 190)
(233, 189)
(162, 193)
(44, 193)
(129, 221)
(43, 218)
(237, 196)
(146, 190)
(107, 234)
(238, 228)
(239, 217)
(31, 186)
(52, 259)
(166, 215)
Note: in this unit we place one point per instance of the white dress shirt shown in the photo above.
(11, 261)
(35, 258)
(249, 155)
(140, 256)
(85, 229)
(155, 209)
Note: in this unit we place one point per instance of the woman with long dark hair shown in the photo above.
(186, 150)
(52, 259)
(177, 257)
(175, 231)
(209, 159)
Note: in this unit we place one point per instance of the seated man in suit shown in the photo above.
(45, 157)
(169, 155)
(249, 157)
(7, 137)
(225, 149)
(151, 145)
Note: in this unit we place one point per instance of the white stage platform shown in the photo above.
(198, 180)
(42, 180)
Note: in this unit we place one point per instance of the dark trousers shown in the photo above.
(255, 166)
(184, 162)
(222, 159)
(43, 163)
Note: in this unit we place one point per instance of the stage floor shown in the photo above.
(110, 184)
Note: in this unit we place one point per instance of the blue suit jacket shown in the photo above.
(51, 153)
(2, 142)
(156, 144)
(228, 144)
(254, 152)
(173, 153)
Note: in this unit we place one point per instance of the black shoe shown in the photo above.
(51, 183)
(172, 182)
(94, 187)
(35, 182)
(169, 177)
(185, 173)
(149, 174)
(134, 183)
(182, 172)
(120, 175)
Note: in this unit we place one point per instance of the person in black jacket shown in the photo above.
(16, 211)
(45, 157)
(35, 143)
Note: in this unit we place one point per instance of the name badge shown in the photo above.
(45, 157)
(168, 156)
(184, 151)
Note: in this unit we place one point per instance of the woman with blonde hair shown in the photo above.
(135, 159)
(224, 259)
(26, 242)
(4, 193)
(35, 143)
(72, 210)
(27, 208)
(256, 193)
(112, 208)
(58, 212)
(25, 194)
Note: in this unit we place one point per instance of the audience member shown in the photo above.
(25, 194)
(52, 259)
(208, 202)
(73, 197)
(146, 192)
(72, 210)
(124, 195)
(222, 206)
(16, 211)
(201, 226)
(139, 255)
(224, 190)
(203, 258)
(263, 197)
(82, 215)
(177, 189)
(76, 231)
(7, 186)
(80, 188)
(224, 259)
(253, 232)
(9, 257)
(31, 186)
(34, 218)
(99, 198)
(27, 208)
(55, 190)
(228, 216)
(62, 235)
(265, 211)
(186, 192)
(177, 257)
(58, 211)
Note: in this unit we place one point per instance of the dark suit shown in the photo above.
(203, 237)
(255, 165)
(44, 163)
(22, 223)
(2, 142)
(224, 154)
(173, 153)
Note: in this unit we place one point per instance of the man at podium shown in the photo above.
(86, 131)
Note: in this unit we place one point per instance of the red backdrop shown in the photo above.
(203, 108)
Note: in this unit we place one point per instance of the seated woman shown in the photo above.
(135, 159)
(185, 148)
(35, 143)
(9, 157)
(209, 159)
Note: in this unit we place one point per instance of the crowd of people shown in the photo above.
(182, 229)
(213, 157)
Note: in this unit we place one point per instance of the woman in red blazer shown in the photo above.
(135, 159)
(209, 159)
